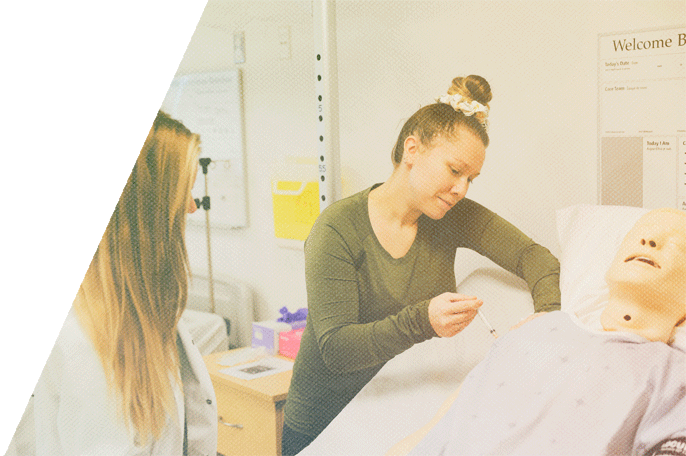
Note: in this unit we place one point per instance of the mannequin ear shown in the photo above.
(411, 149)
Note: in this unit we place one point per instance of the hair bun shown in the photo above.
(472, 86)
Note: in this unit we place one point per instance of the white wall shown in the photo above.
(394, 57)
(279, 120)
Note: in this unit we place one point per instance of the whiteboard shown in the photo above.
(642, 118)
(210, 104)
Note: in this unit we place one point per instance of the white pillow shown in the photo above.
(589, 238)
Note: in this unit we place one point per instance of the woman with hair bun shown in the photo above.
(380, 264)
(124, 376)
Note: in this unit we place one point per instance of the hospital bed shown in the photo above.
(229, 326)
(408, 391)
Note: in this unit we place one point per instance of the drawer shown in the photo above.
(248, 425)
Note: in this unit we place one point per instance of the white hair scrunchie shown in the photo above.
(468, 108)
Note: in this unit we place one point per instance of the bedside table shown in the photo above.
(250, 411)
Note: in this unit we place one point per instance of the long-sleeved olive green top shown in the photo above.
(365, 307)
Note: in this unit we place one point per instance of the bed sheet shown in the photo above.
(624, 395)
(408, 391)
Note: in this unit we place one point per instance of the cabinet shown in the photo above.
(250, 411)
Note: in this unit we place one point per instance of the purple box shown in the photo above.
(266, 334)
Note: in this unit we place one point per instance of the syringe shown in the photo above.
(488, 325)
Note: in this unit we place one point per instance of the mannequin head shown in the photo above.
(647, 278)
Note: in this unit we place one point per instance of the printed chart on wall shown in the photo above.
(642, 118)
(210, 104)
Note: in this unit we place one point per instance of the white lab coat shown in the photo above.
(75, 414)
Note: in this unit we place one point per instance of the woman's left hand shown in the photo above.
(528, 319)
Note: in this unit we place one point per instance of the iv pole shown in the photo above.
(205, 204)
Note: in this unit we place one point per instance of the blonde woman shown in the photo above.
(380, 264)
(124, 376)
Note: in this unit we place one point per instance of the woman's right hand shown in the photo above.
(450, 313)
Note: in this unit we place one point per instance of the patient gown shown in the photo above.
(553, 387)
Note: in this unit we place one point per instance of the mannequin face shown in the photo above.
(652, 261)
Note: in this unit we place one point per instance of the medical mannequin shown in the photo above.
(647, 278)
(553, 386)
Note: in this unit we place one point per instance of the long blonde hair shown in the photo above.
(136, 286)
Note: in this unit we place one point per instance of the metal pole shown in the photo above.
(205, 163)
(326, 88)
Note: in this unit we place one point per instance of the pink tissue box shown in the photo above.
(289, 342)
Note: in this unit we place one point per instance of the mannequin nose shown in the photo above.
(649, 242)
